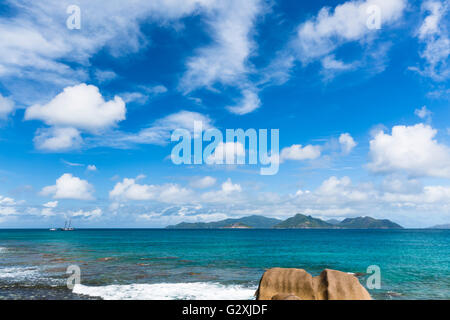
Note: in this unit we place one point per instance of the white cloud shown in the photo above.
(103, 76)
(91, 167)
(7, 211)
(7, 106)
(47, 211)
(34, 39)
(411, 149)
(335, 189)
(69, 187)
(347, 143)
(403, 199)
(129, 189)
(249, 103)
(82, 107)
(322, 34)
(298, 152)
(143, 94)
(56, 139)
(159, 131)
(228, 194)
(78, 108)
(423, 113)
(225, 60)
(51, 204)
(433, 34)
(396, 184)
(229, 187)
(203, 183)
(330, 62)
(227, 152)
(92, 214)
(6, 201)
(7, 206)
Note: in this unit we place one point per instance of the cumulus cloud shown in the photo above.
(82, 107)
(204, 182)
(47, 211)
(347, 143)
(340, 189)
(7, 206)
(340, 197)
(429, 195)
(76, 109)
(228, 194)
(411, 149)
(229, 187)
(298, 152)
(433, 34)
(56, 139)
(7, 106)
(406, 201)
(129, 189)
(51, 204)
(69, 187)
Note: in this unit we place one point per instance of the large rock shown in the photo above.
(279, 283)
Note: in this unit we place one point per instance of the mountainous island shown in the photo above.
(255, 222)
(299, 221)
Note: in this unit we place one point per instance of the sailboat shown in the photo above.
(67, 227)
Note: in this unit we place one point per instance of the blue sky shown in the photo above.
(358, 90)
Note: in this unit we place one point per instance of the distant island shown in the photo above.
(441, 226)
(254, 222)
(299, 221)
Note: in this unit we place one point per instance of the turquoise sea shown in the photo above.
(214, 264)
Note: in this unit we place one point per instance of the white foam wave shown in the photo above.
(168, 291)
(2, 250)
(18, 273)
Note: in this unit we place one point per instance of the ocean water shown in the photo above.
(215, 264)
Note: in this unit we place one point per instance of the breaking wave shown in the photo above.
(168, 291)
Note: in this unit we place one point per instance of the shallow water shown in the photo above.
(215, 264)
